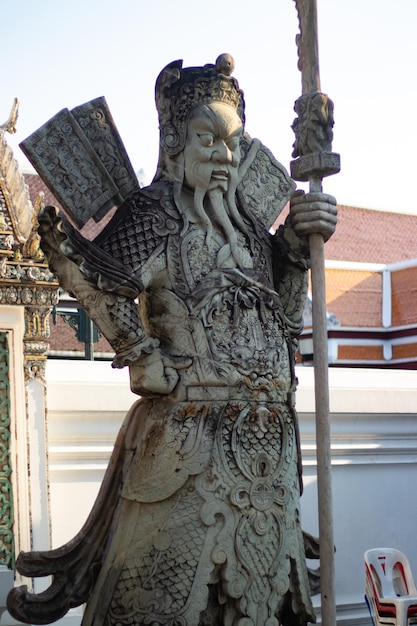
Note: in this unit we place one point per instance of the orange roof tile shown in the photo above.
(369, 236)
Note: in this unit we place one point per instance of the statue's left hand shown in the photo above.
(313, 212)
(156, 373)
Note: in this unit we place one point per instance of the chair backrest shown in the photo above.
(390, 572)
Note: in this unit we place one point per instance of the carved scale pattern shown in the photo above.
(138, 234)
(133, 242)
(158, 587)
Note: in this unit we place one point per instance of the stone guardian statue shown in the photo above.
(198, 518)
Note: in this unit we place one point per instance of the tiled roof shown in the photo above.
(369, 236)
(63, 338)
(37, 186)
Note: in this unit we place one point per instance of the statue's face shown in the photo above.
(211, 152)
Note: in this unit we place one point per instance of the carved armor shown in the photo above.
(211, 496)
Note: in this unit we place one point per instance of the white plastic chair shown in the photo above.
(390, 591)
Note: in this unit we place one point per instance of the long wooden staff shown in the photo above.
(313, 132)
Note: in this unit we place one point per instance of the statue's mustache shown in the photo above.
(206, 174)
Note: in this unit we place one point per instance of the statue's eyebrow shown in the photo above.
(235, 133)
(211, 123)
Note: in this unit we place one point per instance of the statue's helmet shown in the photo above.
(178, 90)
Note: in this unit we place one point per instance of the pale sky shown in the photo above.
(59, 54)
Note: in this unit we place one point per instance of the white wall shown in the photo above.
(374, 454)
(87, 402)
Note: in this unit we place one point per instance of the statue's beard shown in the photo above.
(221, 210)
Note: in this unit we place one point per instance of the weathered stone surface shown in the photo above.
(197, 521)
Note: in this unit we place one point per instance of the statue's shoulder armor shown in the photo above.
(140, 225)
